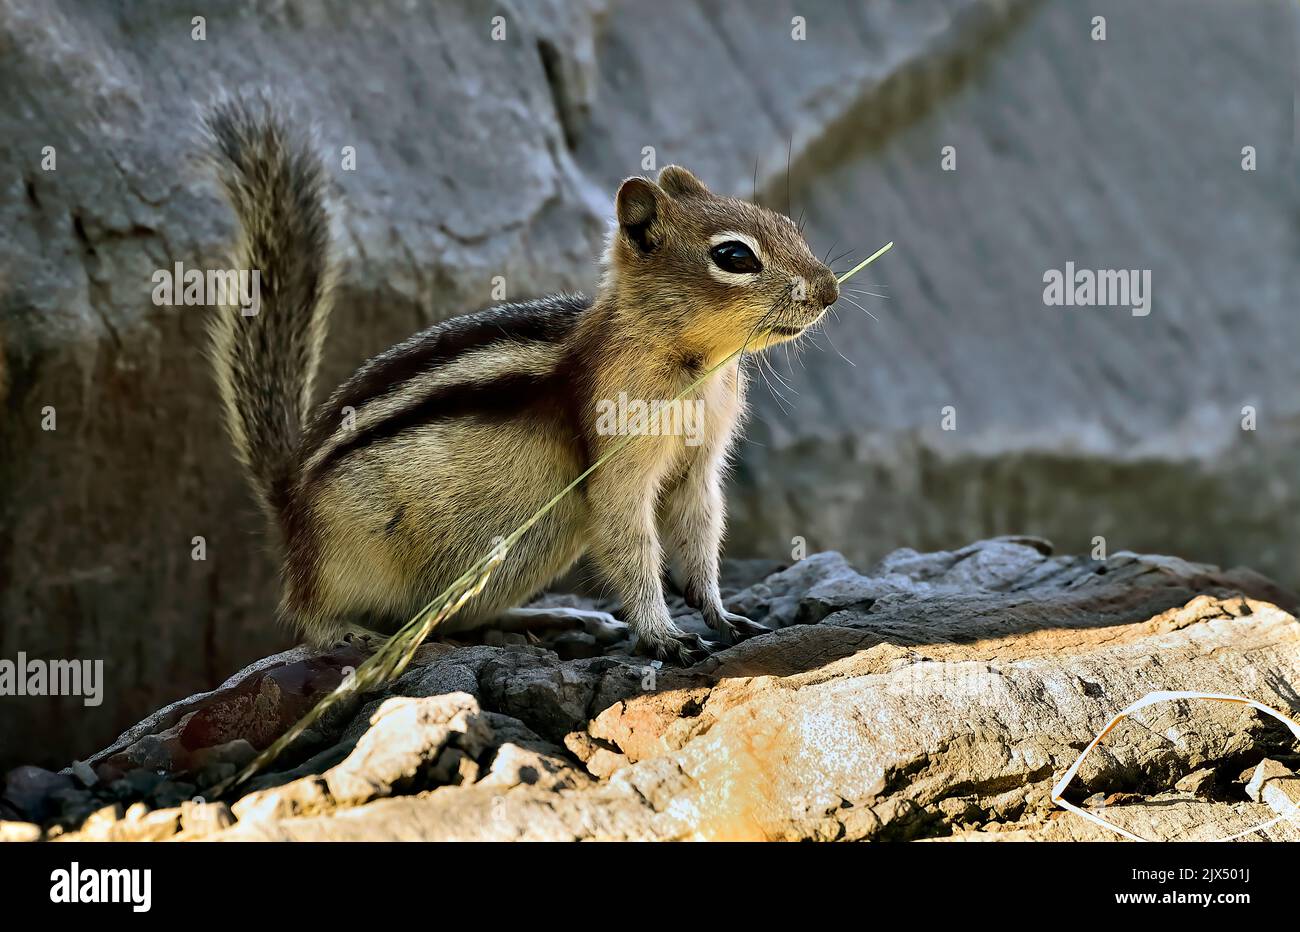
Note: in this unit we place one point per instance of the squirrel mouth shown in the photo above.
(787, 331)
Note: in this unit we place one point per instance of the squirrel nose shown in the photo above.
(828, 290)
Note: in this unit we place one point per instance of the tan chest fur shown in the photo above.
(659, 458)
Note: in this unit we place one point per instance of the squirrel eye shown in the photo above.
(735, 256)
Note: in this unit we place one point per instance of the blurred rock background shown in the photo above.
(478, 158)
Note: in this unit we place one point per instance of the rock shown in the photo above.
(1276, 785)
(140, 783)
(73, 805)
(236, 753)
(778, 601)
(19, 831)
(261, 708)
(136, 823)
(302, 797)
(404, 735)
(1153, 751)
(101, 823)
(939, 696)
(83, 772)
(201, 819)
(600, 758)
(158, 825)
(1198, 782)
(405, 740)
(214, 773)
(572, 645)
(516, 766)
(1165, 817)
(170, 794)
(453, 768)
(108, 774)
(31, 790)
(230, 723)
(503, 638)
(604, 763)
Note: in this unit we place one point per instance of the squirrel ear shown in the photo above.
(678, 182)
(638, 206)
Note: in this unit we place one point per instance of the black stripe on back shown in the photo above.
(504, 397)
(545, 320)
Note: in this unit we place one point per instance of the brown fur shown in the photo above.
(458, 435)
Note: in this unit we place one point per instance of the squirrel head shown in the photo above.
(711, 273)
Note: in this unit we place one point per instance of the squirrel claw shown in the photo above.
(732, 628)
(677, 648)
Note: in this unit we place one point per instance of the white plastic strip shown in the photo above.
(1152, 699)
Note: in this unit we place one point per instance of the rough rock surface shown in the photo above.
(940, 696)
(478, 158)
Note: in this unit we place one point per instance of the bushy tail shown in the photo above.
(266, 363)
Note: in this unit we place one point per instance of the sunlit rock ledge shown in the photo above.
(939, 696)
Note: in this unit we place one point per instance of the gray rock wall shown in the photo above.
(478, 158)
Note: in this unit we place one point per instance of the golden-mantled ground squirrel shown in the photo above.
(439, 447)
